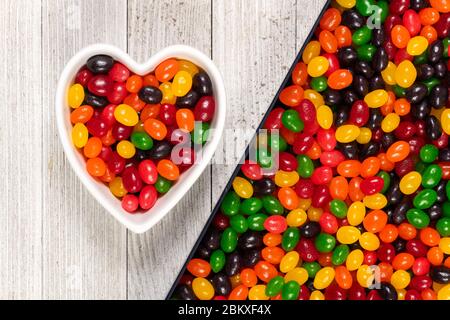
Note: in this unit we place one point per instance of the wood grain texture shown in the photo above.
(20, 142)
(155, 258)
(57, 242)
(84, 254)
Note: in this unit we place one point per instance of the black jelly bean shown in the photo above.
(380, 59)
(418, 4)
(347, 56)
(100, 64)
(435, 51)
(341, 115)
(203, 252)
(444, 154)
(350, 97)
(233, 264)
(420, 110)
(387, 140)
(264, 187)
(394, 195)
(416, 93)
(310, 229)
(435, 212)
(424, 71)
(441, 192)
(438, 96)
(375, 118)
(184, 292)
(332, 97)
(369, 149)
(350, 150)
(440, 69)
(360, 85)
(150, 95)
(202, 84)
(363, 68)
(440, 274)
(212, 239)
(221, 284)
(189, 100)
(250, 240)
(352, 19)
(250, 258)
(160, 150)
(95, 101)
(432, 127)
(387, 291)
(376, 82)
(378, 37)
(399, 245)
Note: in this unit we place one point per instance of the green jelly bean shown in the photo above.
(290, 291)
(340, 254)
(305, 166)
(366, 52)
(428, 153)
(420, 167)
(386, 179)
(228, 241)
(338, 208)
(425, 199)
(382, 11)
(272, 205)
(290, 238)
(399, 91)
(319, 84)
(431, 83)
(325, 242)
(446, 42)
(274, 286)
(277, 143)
(163, 185)
(418, 218)
(443, 227)
(421, 59)
(446, 209)
(141, 140)
(431, 176)
(201, 133)
(251, 206)
(312, 268)
(239, 223)
(255, 222)
(291, 121)
(230, 204)
(217, 260)
(362, 35)
(365, 7)
(264, 158)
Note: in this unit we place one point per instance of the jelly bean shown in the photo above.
(317, 66)
(203, 289)
(168, 170)
(405, 74)
(410, 182)
(76, 96)
(398, 151)
(376, 98)
(80, 135)
(324, 277)
(182, 83)
(311, 51)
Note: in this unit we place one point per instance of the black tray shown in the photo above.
(285, 83)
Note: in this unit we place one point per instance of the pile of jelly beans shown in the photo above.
(350, 197)
(138, 133)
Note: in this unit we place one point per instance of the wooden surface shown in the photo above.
(56, 241)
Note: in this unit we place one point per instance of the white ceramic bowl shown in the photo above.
(138, 223)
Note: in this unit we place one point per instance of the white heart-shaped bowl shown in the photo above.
(139, 223)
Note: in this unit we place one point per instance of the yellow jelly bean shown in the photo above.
(401, 293)
(376, 98)
(286, 179)
(304, 204)
(314, 214)
(315, 97)
(299, 275)
(388, 74)
(417, 45)
(126, 115)
(348, 4)
(444, 245)
(76, 95)
(324, 277)
(354, 260)
(356, 213)
(325, 116)
(375, 201)
(184, 65)
(311, 51)
(437, 286)
(444, 293)
(406, 74)
(400, 279)
(296, 218)
(203, 289)
(445, 121)
(182, 83)
(318, 66)
(410, 182)
(126, 149)
(347, 133)
(348, 234)
(258, 292)
(117, 188)
(366, 276)
(289, 261)
(168, 96)
(365, 135)
(242, 187)
(80, 135)
(390, 122)
(316, 295)
(369, 241)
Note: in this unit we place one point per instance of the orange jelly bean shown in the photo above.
(398, 151)
(340, 79)
(349, 168)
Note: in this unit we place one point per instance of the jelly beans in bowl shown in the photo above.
(139, 135)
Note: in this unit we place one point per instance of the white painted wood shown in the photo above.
(57, 242)
(84, 254)
(20, 142)
(155, 258)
